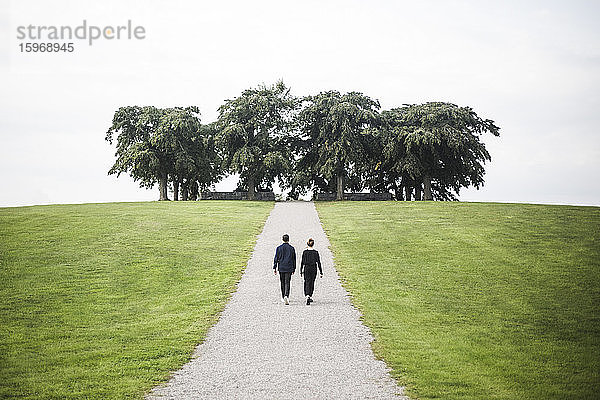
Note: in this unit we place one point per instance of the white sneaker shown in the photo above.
(286, 301)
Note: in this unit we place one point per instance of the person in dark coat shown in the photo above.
(285, 261)
(308, 268)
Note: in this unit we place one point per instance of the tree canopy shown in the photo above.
(154, 144)
(437, 145)
(329, 142)
(253, 135)
(333, 141)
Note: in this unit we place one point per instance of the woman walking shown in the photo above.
(308, 268)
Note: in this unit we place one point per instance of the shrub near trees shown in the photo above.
(328, 142)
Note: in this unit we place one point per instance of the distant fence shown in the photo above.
(264, 196)
(355, 196)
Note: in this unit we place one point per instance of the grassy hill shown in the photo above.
(476, 301)
(466, 300)
(103, 300)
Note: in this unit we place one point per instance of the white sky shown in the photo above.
(531, 66)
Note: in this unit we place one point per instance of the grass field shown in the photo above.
(476, 301)
(103, 300)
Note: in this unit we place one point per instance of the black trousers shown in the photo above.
(284, 278)
(309, 280)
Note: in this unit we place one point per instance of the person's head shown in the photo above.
(286, 238)
(310, 242)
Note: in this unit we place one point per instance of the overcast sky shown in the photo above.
(531, 66)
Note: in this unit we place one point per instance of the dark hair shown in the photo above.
(286, 238)
(310, 242)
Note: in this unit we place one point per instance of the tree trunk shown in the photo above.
(398, 194)
(427, 188)
(162, 187)
(251, 193)
(340, 187)
(418, 192)
(175, 189)
(407, 193)
(185, 191)
(194, 191)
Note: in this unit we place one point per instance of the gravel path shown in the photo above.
(261, 348)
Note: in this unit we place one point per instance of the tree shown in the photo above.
(140, 152)
(436, 145)
(208, 161)
(154, 144)
(381, 174)
(195, 160)
(253, 135)
(335, 141)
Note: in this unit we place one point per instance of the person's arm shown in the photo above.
(276, 260)
(302, 262)
(294, 259)
(319, 263)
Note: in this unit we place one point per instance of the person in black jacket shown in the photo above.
(285, 259)
(308, 267)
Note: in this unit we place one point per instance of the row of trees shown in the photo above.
(330, 142)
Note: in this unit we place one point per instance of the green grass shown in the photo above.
(476, 301)
(103, 300)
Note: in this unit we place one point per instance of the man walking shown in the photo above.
(285, 259)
